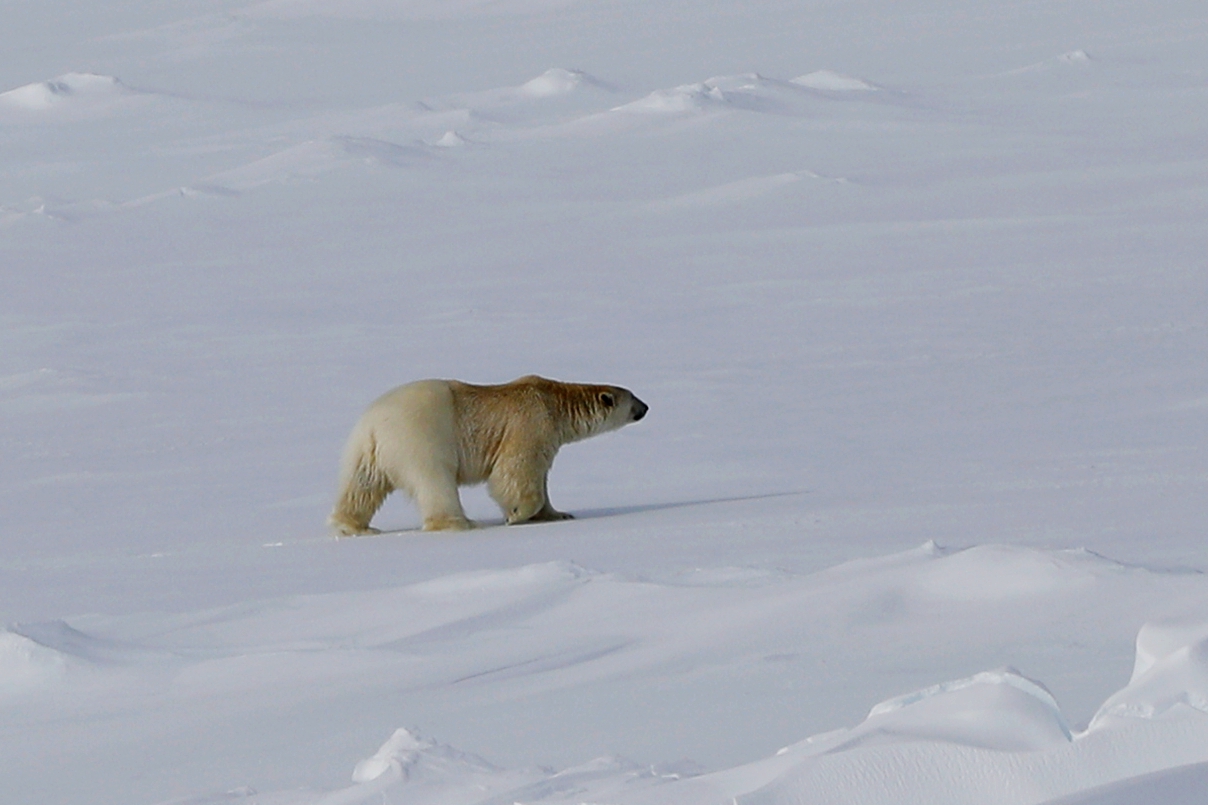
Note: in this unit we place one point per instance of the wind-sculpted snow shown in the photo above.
(993, 737)
(519, 636)
(1181, 785)
(993, 709)
(1171, 674)
(558, 103)
(750, 92)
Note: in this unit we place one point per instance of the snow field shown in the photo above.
(914, 292)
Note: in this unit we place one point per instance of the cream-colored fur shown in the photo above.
(429, 437)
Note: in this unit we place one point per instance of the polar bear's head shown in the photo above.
(582, 410)
(618, 407)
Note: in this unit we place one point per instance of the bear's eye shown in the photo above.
(608, 400)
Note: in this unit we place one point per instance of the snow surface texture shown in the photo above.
(915, 292)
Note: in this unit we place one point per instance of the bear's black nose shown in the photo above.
(638, 409)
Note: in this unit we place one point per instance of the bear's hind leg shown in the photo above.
(439, 504)
(361, 495)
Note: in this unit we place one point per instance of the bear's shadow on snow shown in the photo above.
(595, 514)
(616, 511)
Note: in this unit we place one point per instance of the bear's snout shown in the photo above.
(638, 409)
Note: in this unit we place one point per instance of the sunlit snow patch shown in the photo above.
(830, 81)
(1074, 58)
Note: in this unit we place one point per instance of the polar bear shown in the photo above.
(429, 437)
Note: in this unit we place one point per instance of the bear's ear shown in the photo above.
(607, 398)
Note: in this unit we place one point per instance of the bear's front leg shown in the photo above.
(518, 486)
(548, 512)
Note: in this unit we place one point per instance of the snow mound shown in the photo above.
(998, 710)
(26, 664)
(748, 91)
(738, 82)
(65, 88)
(1001, 710)
(1157, 641)
(35, 656)
(450, 139)
(1077, 57)
(303, 161)
(420, 770)
(830, 81)
(756, 93)
(551, 96)
(556, 81)
(1001, 572)
(678, 100)
(67, 641)
(1170, 674)
(997, 736)
(414, 758)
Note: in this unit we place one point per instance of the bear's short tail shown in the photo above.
(363, 488)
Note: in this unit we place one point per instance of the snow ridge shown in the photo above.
(66, 89)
